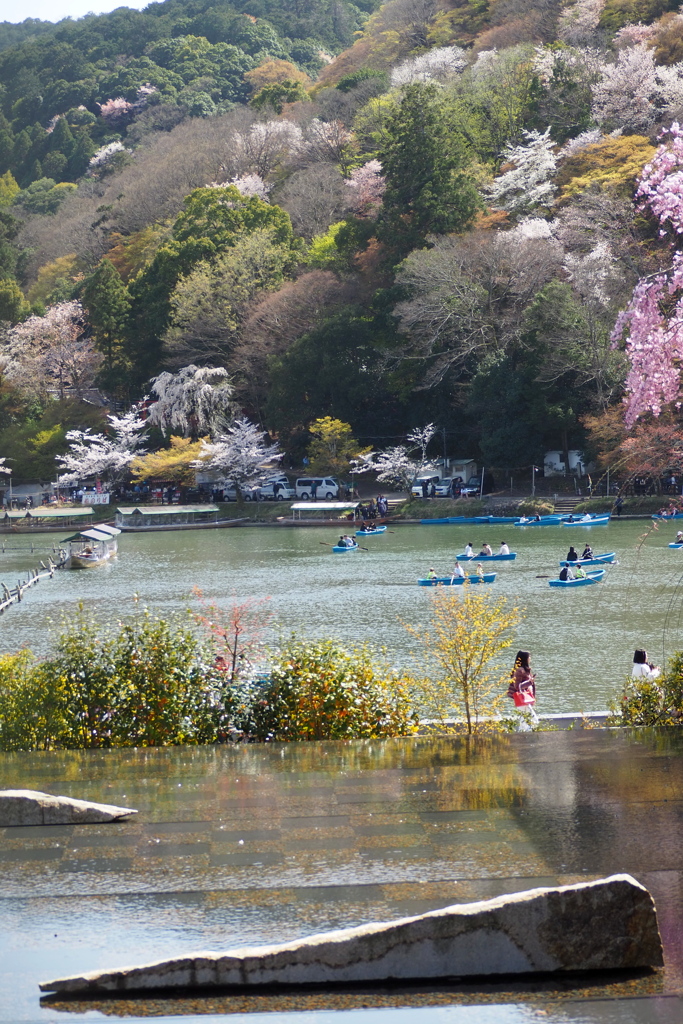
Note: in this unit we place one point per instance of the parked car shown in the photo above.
(430, 478)
(472, 488)
(327, 487)
(266, 491)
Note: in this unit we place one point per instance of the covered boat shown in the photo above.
(371, 533)
(455, 581)
(148, 518)
(91, 548)
(487, 558)
(595, 560)
(590, 577)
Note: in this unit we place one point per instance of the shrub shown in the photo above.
(535, 507)
(652, 701)
(319, 690)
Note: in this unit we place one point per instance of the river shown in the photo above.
(582, 641)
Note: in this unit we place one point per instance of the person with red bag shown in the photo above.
(522, 688)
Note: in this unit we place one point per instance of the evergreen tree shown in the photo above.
(108, 303)
(13, 305)
(425, 163)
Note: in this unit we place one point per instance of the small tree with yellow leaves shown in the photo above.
(176, 464)
(333, 446)
(466, 678)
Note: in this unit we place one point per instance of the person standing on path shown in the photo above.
(522, 690)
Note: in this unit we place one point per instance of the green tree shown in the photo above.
(425, 164)
(108, 303)
(13, 304)
(333, 446)
(9, 189)
(275, 95)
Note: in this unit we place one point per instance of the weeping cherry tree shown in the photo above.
(194, 401)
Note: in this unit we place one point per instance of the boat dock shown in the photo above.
(8, 597)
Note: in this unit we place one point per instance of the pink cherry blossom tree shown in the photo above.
(367, 184)
(652, 323)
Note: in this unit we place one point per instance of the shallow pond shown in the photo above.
(582, 640)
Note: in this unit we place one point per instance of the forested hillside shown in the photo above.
(446, 211)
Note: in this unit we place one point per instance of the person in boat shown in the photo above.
(566, 573)
(523, 685)
(679, 537)
(580, 572)
(537, 519)
(504, 549)
(431, 575)
(350, 542)
(572, 555)
(369, 527)
(486, 551)
(469, 550)
(587, 552)
(458, 571)
(480, 570)
(586, 518)
(642, 668)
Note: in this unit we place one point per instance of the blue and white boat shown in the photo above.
(487, 558)
(371, 533)
(608, 559)
(585, 581)
(597, 520)
(549, 520)
(343, 549)
(455, 581)
(675, 545)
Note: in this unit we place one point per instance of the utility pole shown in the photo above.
(533, 481)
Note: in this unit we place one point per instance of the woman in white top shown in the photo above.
(504, 549)
(642, 668)
(469, 550)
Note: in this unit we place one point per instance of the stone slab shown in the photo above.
(29, 807)
(606, 925)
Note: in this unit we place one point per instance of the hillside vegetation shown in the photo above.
(425, 211)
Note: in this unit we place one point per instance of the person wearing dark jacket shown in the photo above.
(572, 556)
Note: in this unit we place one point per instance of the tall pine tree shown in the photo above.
(425, 163)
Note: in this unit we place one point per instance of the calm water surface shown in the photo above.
(582, 640)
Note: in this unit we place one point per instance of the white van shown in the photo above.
(326, 488)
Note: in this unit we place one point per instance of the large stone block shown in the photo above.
(604, 925)
(29, 807)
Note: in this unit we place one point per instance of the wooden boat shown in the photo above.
(608, 559)
(590, 577)
(487, 558)
(371, 533)
(455, 581)
(343, 549)
(90, 548)
(597, 520)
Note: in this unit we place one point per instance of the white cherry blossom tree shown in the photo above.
(240, 454)
(400, 464)
(437, 65)
(528, 184)
(195, 401)
(98, 455)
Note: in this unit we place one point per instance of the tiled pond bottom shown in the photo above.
(250, 844)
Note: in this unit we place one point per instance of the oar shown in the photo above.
(334, 545)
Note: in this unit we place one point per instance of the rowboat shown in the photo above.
(590, 521)
(343, 549)
(675, 545)
(595, 560)
(455, 581)
(371, 533)
(549, 520)
(665, 515)
(487, 558)
(90, 548)
(590, 577)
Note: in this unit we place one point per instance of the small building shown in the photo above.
(553, 463)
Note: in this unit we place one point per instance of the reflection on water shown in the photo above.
(264, 843)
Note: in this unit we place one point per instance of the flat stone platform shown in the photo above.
(255, 844)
